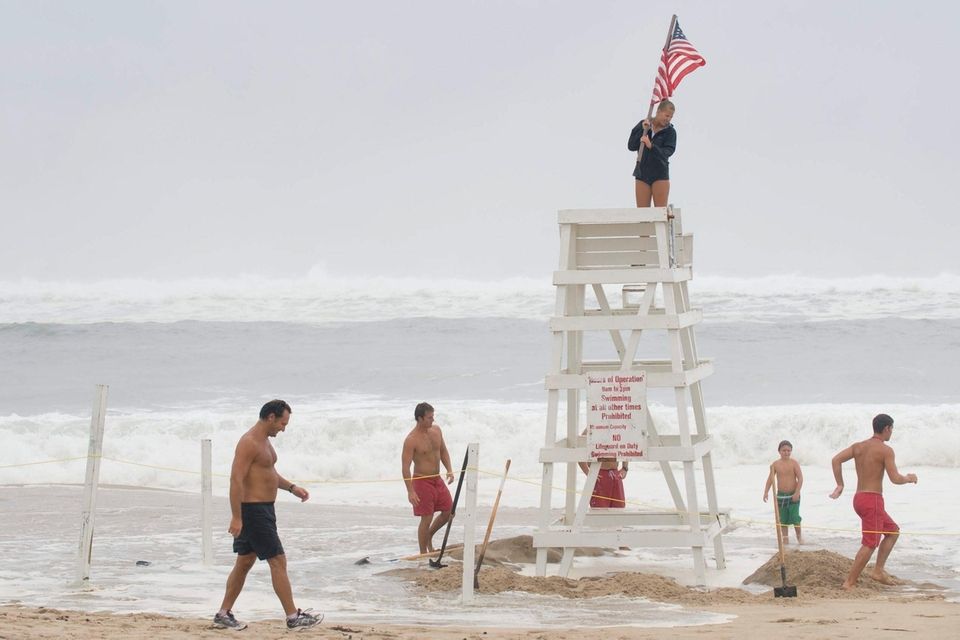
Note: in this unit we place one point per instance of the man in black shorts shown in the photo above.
(254, 482)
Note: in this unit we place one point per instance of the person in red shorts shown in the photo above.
(608, 490)
(425, 449)
(872, 458)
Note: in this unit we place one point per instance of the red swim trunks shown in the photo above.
(434, 496)
(608, 492)
(874, 518)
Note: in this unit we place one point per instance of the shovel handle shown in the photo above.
(776, 518)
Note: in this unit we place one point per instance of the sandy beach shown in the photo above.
(39, 603)
(801, 619)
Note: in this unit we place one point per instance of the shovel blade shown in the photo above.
(784, 592)
(436, 564)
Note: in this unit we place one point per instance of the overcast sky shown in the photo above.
(174, 139)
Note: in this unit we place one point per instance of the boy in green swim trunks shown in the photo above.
(789, 480)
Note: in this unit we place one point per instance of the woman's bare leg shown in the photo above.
(661, 193)
(643, 193)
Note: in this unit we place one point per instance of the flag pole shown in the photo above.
(666, 45)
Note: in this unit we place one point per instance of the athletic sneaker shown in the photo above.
(304, 619)
(227, 621)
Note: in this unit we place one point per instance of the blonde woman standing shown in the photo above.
(659, 141)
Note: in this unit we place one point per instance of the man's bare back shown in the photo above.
(871, 458)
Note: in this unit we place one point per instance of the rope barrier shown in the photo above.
(30, 464)
(496, 474)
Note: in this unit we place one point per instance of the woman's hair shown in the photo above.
(664, 105)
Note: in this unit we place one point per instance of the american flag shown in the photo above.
(678, 59)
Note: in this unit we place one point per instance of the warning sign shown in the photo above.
(616, 414)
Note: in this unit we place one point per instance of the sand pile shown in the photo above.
(633, 585)
(519, 550)
(820, 569)
(816, 574)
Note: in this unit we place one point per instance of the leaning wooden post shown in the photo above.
(206, 501)
(94, 450)
(470, 520)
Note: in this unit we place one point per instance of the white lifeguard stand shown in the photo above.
(636, 251)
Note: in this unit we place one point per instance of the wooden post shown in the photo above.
(94, 450)
(206, 501)
(470, 520)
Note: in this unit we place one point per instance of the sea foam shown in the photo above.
(323, 298)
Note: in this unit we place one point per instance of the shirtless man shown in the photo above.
(253, 490)
(425, 449)
(872, 457)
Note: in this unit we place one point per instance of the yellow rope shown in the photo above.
(29, 464)
(497, 474)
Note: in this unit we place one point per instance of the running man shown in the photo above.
(254, 481)
(425, 449)
(872, 458)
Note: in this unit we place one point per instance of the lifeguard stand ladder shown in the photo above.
(636, 250)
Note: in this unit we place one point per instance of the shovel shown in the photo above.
(486, 538)
(436, 564)
(782, 591)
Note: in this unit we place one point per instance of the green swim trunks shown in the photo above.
(789, 510)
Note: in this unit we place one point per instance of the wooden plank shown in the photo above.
(633, 310)
(654, 437)
(685, 250)
(668, 538)
(626, 322)
(601, 296)
(655, 379)
(615, 259)
(643, 243)
(631, 231)
(621, 276)
(206, 501)
(670, 451)
(91, 483)
(646, 518)
(604, 216)
(653, 365)
(469, 521)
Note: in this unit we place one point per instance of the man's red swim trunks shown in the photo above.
(434, 496)
(608, 492)
(874, 518)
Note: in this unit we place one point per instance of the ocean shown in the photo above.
(805, 359)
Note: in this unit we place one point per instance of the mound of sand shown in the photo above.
(816, 574)
(520, 550)
(812, 570)
(633, 585)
